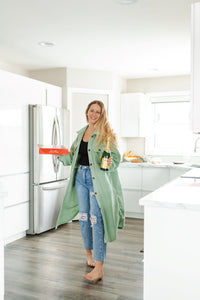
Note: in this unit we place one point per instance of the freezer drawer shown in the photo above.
(48, 199)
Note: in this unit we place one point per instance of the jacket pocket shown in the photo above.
(97, 152)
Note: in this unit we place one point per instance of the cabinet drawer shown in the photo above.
(16, 219)
(130, 178)
(16, 188)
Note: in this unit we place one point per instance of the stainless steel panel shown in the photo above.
(63, 136)
(43, 134)
(48, 199)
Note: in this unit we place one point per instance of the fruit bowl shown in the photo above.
(128, 158)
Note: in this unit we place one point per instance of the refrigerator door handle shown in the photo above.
(54, 142)
(54, 133)
(58, 141)
(54, 187)
(58, 132)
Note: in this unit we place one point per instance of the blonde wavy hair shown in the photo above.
(102, 126)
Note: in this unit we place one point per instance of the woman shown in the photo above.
(94, 193)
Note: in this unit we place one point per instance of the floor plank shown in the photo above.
(51, 265)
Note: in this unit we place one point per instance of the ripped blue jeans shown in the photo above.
(91, 222)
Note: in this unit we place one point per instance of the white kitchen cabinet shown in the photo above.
(154, 177)
(131, 180)
(16, 220)
(14, 100)
(16, 188)
(176, 172)
(16, 93)
(132, 207)
(195, 72)
(16, 203)
(139, 180)
(133, 108)
(54, 95)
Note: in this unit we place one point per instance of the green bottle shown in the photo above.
(105, 156)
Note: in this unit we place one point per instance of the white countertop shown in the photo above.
(183, 193)
(150, 165)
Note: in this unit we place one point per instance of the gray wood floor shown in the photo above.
(51, 265)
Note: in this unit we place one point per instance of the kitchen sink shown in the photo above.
(195, 166)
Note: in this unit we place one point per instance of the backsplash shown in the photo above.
(137, 146)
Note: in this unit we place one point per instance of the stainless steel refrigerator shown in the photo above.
(48, 125)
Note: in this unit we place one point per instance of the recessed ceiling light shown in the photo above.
(126, 1)
(46, 44)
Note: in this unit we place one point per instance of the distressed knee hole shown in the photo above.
(83, 217)
(93, 219)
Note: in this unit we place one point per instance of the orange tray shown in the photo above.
(53, 150)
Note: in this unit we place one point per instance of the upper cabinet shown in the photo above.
(16, 93)
(133, 111)
(195, 75)
(54, 95)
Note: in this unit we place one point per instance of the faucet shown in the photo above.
(195, 146)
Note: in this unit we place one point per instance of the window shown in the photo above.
(169, 124)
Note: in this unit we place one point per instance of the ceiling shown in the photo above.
(144, 39)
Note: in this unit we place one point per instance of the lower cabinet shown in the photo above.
(16, 206)
(138, 181)
(175, 172)
(16, 221)
(131, 180)
(132, 207)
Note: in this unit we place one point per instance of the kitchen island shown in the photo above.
(171, 240)
(2, 195)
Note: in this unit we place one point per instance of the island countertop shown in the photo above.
(180, 193)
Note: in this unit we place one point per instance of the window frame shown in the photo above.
(163, 97)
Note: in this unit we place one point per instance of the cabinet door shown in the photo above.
(131, 201)
(16, 188)
(195, 74)
(176, 172)
(130, 177)
(132, 115)
(155, 177)
(15, 96)
(16, 219)
(54, 95)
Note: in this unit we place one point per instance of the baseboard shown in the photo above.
(14, 238)
(134, 215)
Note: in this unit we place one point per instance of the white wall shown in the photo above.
(89, 79)
(55, 76)
(158, 84)
(13, 68)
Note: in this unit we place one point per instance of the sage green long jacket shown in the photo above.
(106, 184)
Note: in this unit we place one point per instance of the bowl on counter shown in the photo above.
(134, 159)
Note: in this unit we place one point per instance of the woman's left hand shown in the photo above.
(110, 161)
